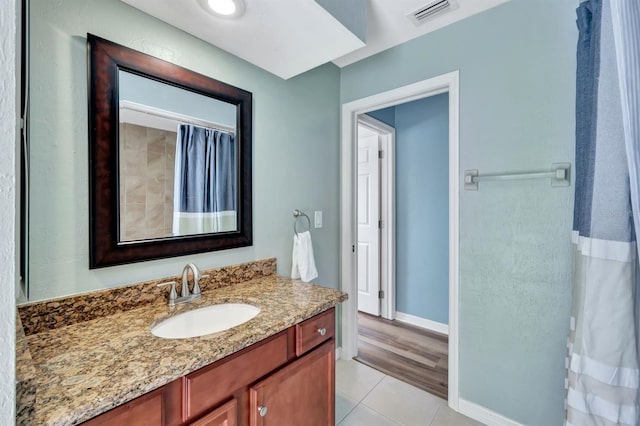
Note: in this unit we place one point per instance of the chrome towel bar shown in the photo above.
(559, 175)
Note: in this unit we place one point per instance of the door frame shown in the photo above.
(446, 83)
(387, 212)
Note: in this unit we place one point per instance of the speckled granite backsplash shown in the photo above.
(51, 314)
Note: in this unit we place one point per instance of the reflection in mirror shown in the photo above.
(178, 162)
(169, 159)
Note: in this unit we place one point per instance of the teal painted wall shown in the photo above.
(517, 90)
(386, 115)
(422, 208)
(295, 147)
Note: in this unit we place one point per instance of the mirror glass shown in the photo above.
(177, 161)
(170, 166)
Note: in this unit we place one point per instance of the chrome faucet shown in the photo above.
(195, 294)
(185, 294)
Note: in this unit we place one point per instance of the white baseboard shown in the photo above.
(438, 327)
(484, 415)
(338, 352)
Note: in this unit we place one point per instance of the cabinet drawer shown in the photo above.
(209, 386)
(314, 331)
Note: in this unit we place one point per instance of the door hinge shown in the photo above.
(353, 248)
(380, 224)
(380, 154)
(381, 294)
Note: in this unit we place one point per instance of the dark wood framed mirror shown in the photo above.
(170, 165)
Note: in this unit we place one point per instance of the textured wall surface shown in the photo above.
(517, 89)
(295, 147)
(422, 208)
(7, 210)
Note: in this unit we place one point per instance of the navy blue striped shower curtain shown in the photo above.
(205, 193)
(602, 363)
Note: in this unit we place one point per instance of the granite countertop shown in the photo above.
(87, 368)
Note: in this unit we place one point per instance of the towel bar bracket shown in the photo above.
(559, 175)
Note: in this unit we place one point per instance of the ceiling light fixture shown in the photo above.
(224, 8)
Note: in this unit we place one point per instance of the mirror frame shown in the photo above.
(105, 249)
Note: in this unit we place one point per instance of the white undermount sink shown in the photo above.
(203, 321)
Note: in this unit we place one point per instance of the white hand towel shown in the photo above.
(303, 264)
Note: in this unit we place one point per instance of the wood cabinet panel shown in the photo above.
(161, 407)
(301, 393)
(223, 416)
(147, 410)
(212, 385)
(173, 402)
(314, 331)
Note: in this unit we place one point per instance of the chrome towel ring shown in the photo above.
(298, 214)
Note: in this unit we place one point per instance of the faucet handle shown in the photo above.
(196, 286)
(173, 294)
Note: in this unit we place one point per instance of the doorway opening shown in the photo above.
(404, 336)
(359, 226)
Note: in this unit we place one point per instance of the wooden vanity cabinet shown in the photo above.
(291, 374)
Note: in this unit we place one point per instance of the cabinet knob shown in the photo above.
(322, 331)
(262, 410)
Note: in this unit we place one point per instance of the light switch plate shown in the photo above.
(317, 219)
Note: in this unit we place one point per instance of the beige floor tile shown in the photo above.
(354, 380)
(447, 417)
(364, 416)
(343, 407)
(403, 403)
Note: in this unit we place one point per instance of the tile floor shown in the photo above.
(367, 397)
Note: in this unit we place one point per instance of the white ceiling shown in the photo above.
(289, 37)
(388, 25)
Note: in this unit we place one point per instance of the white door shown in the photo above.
(368, 217)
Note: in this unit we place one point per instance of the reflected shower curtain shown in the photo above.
(204, 196)
(603, 375)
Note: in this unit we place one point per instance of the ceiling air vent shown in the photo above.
(438, 7)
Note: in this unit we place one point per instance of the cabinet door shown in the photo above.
(223, 416)
(148, 410)
(300, 394)
(161, 407)
(210, 386)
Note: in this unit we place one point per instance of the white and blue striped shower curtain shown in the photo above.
(603, 375)
(204, 197)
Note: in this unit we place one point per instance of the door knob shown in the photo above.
(262, 410)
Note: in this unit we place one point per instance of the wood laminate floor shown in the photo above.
(411, 354)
